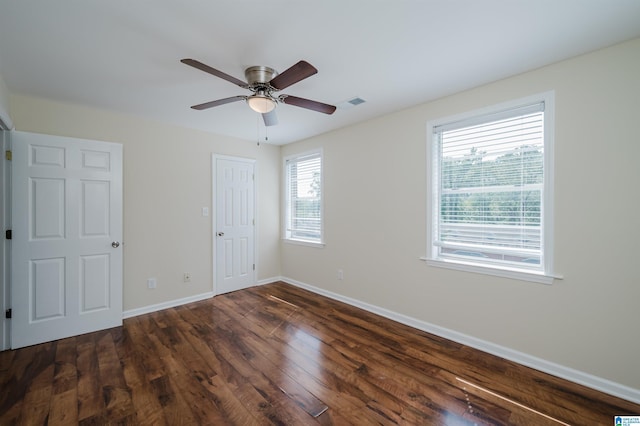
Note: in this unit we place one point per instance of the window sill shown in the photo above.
(303, 243)
(515, 274)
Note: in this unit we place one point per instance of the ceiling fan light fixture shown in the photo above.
(263, 82)
(261, 104)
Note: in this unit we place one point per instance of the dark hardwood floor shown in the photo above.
(277, 354)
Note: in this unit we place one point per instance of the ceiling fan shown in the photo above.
(264, 82)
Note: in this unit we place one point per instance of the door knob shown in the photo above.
(220, 234)
(115, 244)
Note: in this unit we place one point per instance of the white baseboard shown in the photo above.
(585, 379)
(183, 301)
(269, 280)
(166, 305)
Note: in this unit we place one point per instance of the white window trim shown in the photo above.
(303, 243)
(547, 275)
(285, 238)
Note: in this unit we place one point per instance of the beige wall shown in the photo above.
(167, 181)
(375, 222)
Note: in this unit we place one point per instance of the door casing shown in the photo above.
(5, 245)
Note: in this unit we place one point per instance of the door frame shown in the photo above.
(6, 125)
(214, 217)
(5, 249)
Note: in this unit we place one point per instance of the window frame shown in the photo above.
(286, 233)
(545, 273)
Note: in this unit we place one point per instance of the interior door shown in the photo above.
(234, 224)
(67, 227)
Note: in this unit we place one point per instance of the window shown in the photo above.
(303, 197)
(490, 182)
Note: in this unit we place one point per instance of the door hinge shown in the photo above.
(8, 155)
(254, 266)
(7, 234)
(8, 313)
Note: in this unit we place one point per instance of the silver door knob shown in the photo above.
(220, 234)
(115, 244)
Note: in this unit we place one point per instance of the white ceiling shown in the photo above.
(124, 55)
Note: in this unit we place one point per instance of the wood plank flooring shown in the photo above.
(276, 354)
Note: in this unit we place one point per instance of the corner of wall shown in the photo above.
(5, 119)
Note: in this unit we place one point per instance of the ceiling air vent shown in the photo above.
(350, 103)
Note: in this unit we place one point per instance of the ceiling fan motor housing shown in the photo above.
(259, 76)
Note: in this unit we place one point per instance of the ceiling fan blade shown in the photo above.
(294, 74)
(218, 102)
(270, 118)
(309, 104)
(213, 71)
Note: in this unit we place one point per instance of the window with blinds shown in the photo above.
(488, 189)
(303, 199)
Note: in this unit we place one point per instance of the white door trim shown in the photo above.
(214, 216)
(5, 252)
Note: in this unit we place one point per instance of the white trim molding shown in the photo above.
(496, 272)
(563, 372)
(183, 301)
(5, 248)
(166, 305)
(269, 280)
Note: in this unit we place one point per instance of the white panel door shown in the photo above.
(234, 224)
(67, 227)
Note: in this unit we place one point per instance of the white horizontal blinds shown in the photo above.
(304, 176)
(491, 183)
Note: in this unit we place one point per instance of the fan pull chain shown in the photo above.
(258, 129)
(266, 130)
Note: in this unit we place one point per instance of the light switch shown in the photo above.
(205, 211)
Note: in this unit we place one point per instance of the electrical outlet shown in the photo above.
(186, 277)
(152, 283)
(340, 274)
